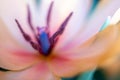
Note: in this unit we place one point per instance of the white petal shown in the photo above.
(80, 10)
(39, 13)
(97, 20)
(11, 10)
(13, 55)
(94, 24)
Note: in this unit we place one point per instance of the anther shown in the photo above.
(29, 19)
(49, 14)
(34, 45)
(30, 23)
(61, 28)
(27, 37)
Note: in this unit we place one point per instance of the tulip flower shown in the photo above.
(55, 39)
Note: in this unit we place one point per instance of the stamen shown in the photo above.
(29, 19)
(62, 27)
(25, 35)
(34, 45)
(49, 14)
(30, 23)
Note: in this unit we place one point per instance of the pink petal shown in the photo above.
(15, 59)
(36, 72)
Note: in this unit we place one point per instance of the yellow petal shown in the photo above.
(114, 50)
(65, 67)
(112, 67)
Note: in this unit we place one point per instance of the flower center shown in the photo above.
(44, 42)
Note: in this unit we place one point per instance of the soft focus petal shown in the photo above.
(112, 68)
(12, 55)
(114, 50)
(39, 13)
(79, 8)
(95, 22)
(9, 12)
(95, 44)
(14, 59)
(104, 9)
(36, 72)
(87, 56)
